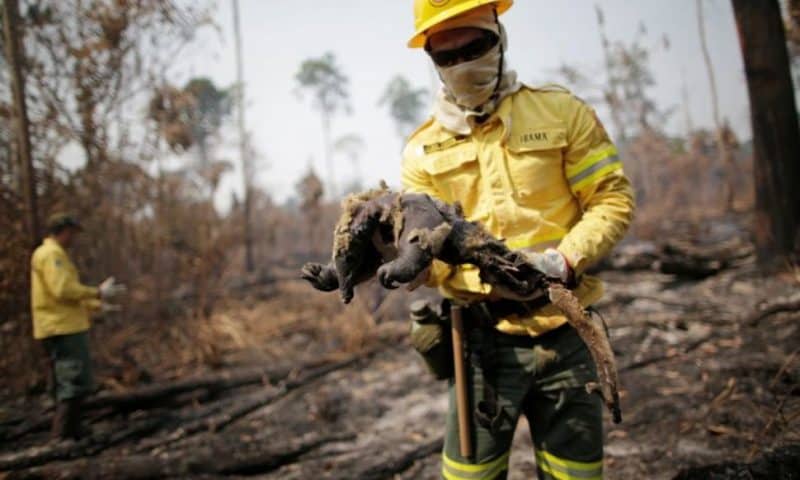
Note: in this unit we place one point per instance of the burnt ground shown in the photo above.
(705, 382)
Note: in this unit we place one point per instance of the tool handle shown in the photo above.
(462, 397)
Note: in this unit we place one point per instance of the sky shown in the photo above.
(368, 39)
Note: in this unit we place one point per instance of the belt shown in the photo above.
(488, 313)
(519, 341)
(498, 309)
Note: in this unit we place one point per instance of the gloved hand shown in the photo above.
(109, 308)
(431, 339)
(552, 263)
(110, 289)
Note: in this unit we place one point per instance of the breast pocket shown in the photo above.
(536, 165)
(455, 173)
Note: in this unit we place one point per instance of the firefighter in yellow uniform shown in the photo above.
(537, 168)
(61, 306)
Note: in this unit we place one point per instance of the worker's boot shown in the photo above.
(59, 428)
(74, 428)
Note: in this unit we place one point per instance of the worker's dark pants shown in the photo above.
(71, 370)
(70, 365)
(543, 378)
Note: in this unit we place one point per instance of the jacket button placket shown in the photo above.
(497, 181)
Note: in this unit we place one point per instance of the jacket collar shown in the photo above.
(501, 114)
(53, 243)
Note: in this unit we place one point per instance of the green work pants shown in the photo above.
(70, 365)
(543, 378)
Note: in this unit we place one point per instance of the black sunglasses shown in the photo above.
(471, 51)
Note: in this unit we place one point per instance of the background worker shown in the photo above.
(537, 168)
(61, 306)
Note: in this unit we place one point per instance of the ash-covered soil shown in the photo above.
(706, 382)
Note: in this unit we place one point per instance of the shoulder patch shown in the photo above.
(444, 145)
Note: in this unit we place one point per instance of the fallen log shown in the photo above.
(373, 461)
(636, 365)
(217, 420)
(230, 456)
(400, 463)
(37, 423)
(680, 258)
(700, 261)
(221, 419)
(772, 307)
(143, 397)
(90, 446)
(212, 418)
(630, 257)
(156, 394)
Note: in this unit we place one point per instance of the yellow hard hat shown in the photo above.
(428, 13)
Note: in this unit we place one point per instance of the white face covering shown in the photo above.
(470, 89)
(472, 84)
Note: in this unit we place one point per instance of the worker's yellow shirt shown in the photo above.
(60, 303)
(540, 172)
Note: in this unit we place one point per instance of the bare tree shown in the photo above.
(687, 114)
(611, 93)
(209, 109)
(310, 191)
(723, 149)
(247, 169)
(15, 56)
(89, 62)
(776, 133)
(626, 92)
(629, 78)
(323, 78)
(351, 146)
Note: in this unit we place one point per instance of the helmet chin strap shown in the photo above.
(502, 57)
(496, 93)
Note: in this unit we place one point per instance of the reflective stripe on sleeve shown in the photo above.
(594, 166)
(453, 470)
(561, 469)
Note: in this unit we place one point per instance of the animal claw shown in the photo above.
(311, 269)
(319, 276)
(386, 280)
(347, 295)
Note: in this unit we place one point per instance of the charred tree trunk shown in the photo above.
(22, 130)
(776, 134)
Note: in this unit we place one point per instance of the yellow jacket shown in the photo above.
(60, 303)
(540, 172)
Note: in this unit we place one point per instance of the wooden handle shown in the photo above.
(462, 397)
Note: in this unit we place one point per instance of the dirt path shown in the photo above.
(700, 387)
